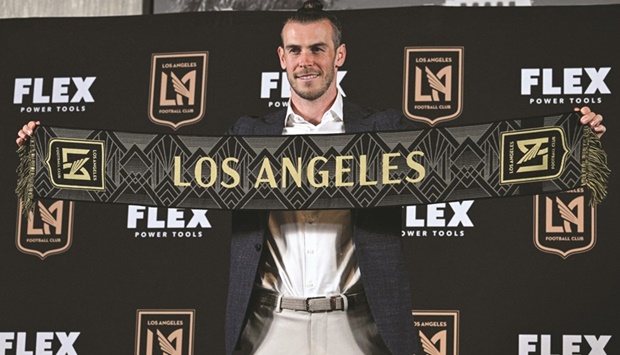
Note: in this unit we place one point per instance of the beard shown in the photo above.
(317, 90)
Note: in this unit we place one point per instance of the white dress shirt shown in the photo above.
(311, 253)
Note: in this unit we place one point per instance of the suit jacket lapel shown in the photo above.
(353, 118)
(274, 124)
(354, 121)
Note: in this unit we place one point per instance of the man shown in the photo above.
(353, 258)
(318, 282)
(342, 255)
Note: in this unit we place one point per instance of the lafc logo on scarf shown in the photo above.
(178, 88)
(532, 155)
(433, 84)
(76, 164)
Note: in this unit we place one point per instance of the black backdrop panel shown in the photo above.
(499, 276)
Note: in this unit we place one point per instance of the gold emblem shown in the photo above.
(168, 332)
(76, 163)
(532, 155)
(563, 224)
(433, 83)
(48, 229)
(438, 331)
(178, 88)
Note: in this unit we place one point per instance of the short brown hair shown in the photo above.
(312, 11)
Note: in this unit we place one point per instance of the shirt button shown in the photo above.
(258, 247)
(310, 251)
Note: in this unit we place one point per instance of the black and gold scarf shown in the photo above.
(499, 159)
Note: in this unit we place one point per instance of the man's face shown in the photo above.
(310, 59)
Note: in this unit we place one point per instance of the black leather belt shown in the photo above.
(310, 304)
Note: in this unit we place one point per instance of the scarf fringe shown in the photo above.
(594, 168)
(25, 176)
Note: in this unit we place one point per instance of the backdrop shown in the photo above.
(509, 276)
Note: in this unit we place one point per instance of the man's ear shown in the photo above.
(281, 57)
(341, 55)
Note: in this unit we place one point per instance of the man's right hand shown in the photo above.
(26, 132)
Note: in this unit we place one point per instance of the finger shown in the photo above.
(587, 118)
(596, 120)
(27, 130)
(21, 134)
(600, 130)
(584, 110)
(21, 140)
(32, 125)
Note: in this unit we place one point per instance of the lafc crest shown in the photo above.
(564, 224)
(433, 83)
(178, 88)
(532, 154)
(165, 332)
(438, 332)
(47, 230)
(76, 163)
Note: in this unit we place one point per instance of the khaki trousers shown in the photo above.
(350, 332)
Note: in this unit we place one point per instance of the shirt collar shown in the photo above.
(335, 111)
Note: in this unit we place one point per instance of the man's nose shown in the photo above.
(305, 60)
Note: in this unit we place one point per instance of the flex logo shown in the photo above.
(568, 85)
(438, 332)
(47, 230)
(532, 155)
(570, 82)
(178, 88)
(433, 83)
(438, 219)
(45, 343)
(275, 87)
(564, 224)
(165, 332)
(36, 94)
(570, 345)
(154, 222)
(77, 164)
(34, 88)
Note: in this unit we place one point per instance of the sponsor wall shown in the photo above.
(530, 275)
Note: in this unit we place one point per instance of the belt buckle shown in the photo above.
(332, 304)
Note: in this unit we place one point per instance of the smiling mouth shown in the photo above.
(307, 76)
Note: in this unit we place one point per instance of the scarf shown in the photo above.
(492, 160)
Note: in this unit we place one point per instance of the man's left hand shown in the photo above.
(594, 120)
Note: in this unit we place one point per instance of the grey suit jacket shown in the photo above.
(376, 234)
